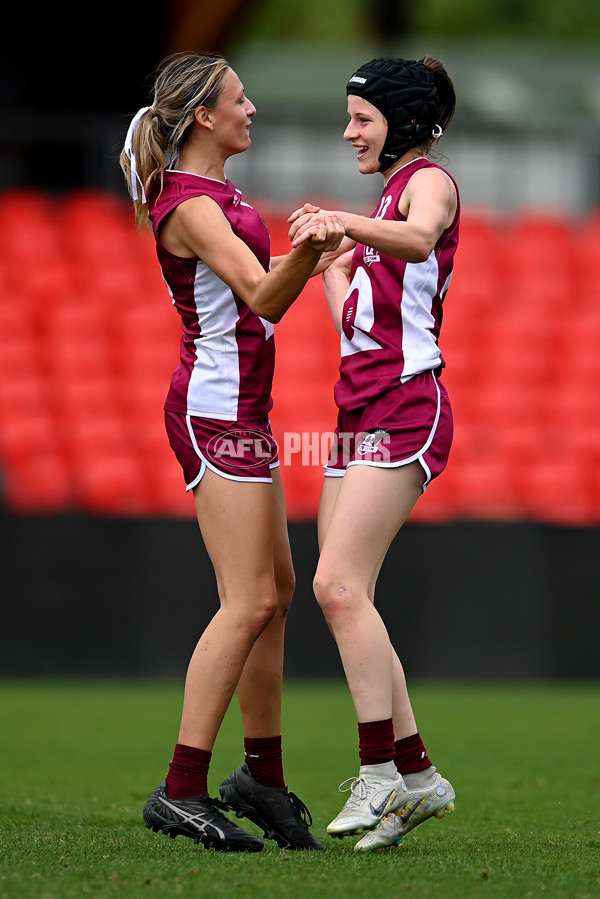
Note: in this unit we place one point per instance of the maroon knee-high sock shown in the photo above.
(188, 772)
(264, 758)
(411, 755)
(376, 742)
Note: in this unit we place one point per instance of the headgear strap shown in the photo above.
(404, 91)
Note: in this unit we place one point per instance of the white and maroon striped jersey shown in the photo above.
(227, 351)
(392, 312)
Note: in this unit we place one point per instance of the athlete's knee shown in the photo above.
(285, 584)
(261, 612)
(252, 610)
(333, 597)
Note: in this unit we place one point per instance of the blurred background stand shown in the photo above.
(97, 532)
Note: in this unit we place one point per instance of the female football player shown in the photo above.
(214, 253)
(394, 425)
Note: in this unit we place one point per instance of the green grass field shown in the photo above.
(79, 759)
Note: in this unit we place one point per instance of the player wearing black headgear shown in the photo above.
(404, 91)
(394, 427)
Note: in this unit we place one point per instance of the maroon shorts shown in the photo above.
(240, 451)
(413, 422)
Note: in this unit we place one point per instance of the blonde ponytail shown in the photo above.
(158, 133)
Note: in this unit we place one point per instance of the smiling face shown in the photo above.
(366, 131)
(232, 116)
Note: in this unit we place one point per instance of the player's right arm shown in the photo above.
(198, 227)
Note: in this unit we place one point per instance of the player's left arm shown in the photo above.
(429, 202)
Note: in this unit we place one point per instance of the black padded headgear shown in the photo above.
(404, 91)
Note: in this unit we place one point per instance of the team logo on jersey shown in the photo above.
(371, 442)
(371, 255)
(237, 196)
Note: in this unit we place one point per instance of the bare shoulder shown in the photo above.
(431, 186)
(192, 225)
(197, 211)
(432, 178)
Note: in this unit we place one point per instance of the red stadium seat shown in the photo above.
(556, 489)
(439, 503)
(38, 482)
(94, 437)
(84, 397)
(165, 486)
(88, 341)
(111, 483)
(23, 432)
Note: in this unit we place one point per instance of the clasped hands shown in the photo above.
(303, 223)
(322, 229)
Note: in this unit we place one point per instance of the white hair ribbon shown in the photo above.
(437, 131)
(128, 147)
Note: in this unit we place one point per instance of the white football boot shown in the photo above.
(433, 801)
(377, 790)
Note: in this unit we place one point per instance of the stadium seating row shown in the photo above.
(88, 340)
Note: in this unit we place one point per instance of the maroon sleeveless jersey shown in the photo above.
(392, 313)
(227, 351)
